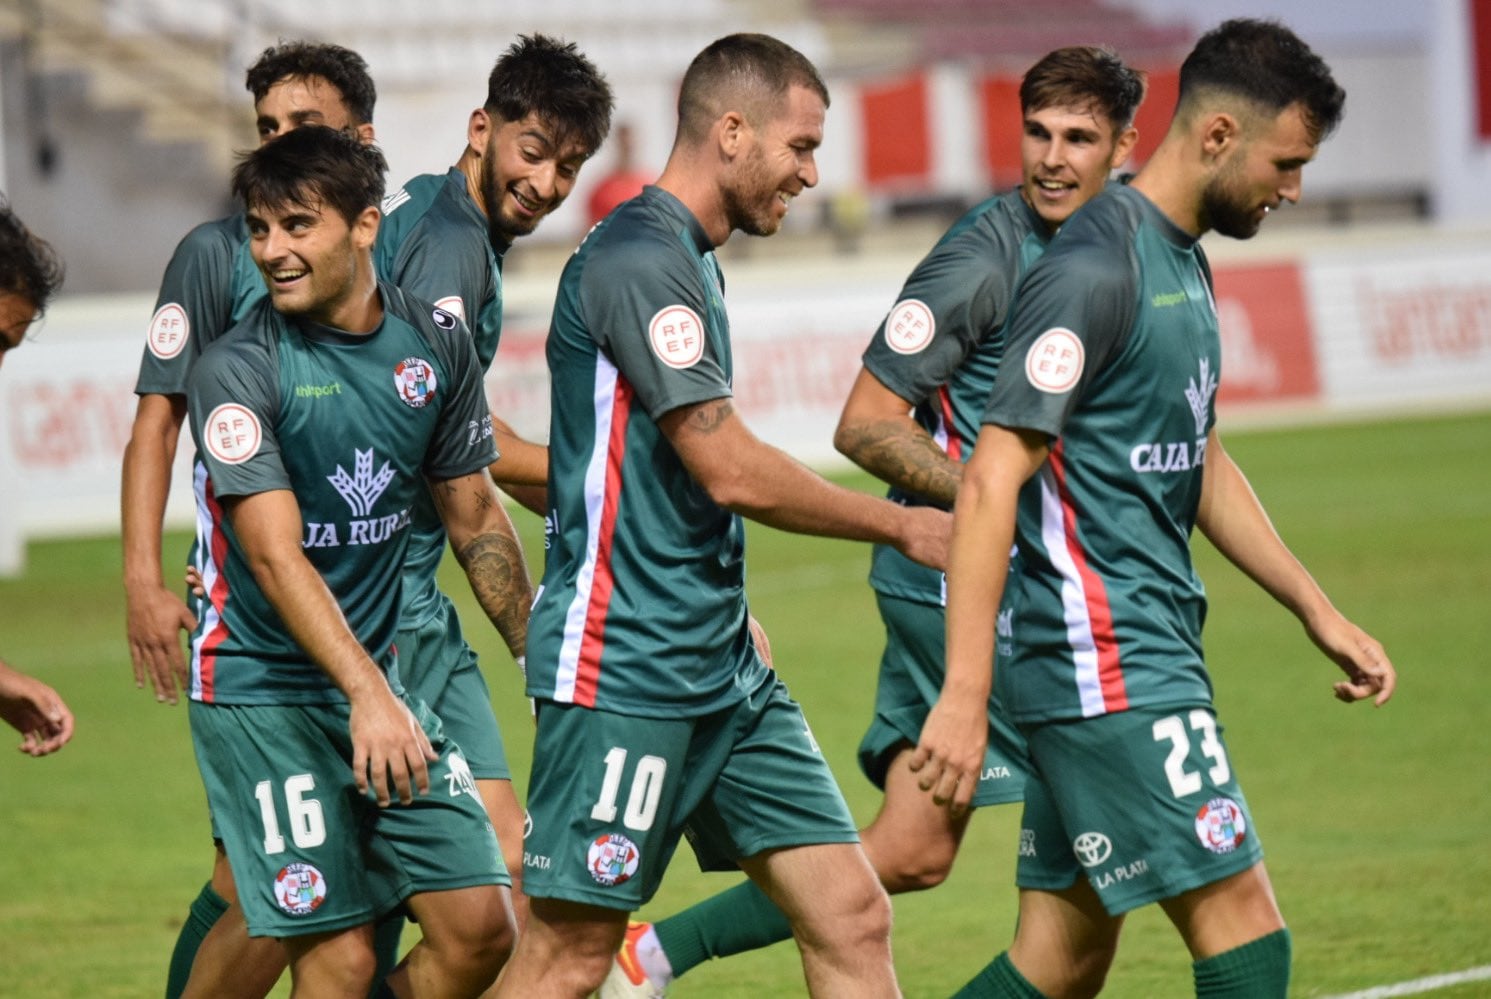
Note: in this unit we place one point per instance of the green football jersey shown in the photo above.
(940, 346)
(642, 610)
(1114, 352)
(353, 425)
(433, 244)
(210, 284)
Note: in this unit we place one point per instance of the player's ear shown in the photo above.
(365, 227)
(1123, 147)
(478, 129)
(365, 133)
(1221, 132)
(733, 132)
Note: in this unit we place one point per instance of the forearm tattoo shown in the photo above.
(494, 565)
(904, 456)
(710, 416)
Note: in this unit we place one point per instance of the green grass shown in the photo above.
(1375, 822)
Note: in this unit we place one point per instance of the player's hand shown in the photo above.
(194, 582)
(949, 756)
(390, 752)
(763, 644)
(926, 535)
(1369, 672)
(37, 712)
(154, 619)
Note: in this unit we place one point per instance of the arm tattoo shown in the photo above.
(494, 566)
(710, 416)
(906, 456)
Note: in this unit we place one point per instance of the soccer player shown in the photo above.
(908, 420)
(209, 284)
(1099, 453)
(30, 275)
(547, 110)
(656, 711)
(319, 419)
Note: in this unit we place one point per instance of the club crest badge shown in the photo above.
(414, 378)
(299, 889)
(1221, 825)
(613, 859)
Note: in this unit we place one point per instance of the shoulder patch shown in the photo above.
(169, 331)
(1054, 362)
(451, 304)
(676, 334)
(414, 377)
(909, 327)
(232, 433)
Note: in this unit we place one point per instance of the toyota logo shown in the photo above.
(1092, 848)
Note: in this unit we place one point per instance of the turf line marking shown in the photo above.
(1431, 984)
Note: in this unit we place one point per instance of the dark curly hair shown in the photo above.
(29, 267)
(341, 67)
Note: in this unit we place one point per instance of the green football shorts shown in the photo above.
(1142, 802)
(911, 671)
(309, 853)
(439, 668)
(611, 794)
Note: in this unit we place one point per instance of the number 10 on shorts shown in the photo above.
(641, 801)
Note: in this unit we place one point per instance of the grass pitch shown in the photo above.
(1375, 822)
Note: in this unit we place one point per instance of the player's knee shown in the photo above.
(1085, 976)
(916, 871)
(474, 950)
(339, 967)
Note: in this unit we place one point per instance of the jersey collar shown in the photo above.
(678, 210)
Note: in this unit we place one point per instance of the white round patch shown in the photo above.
(613, 859)
(453, 305)
(1221, 825)
(1054, 362)
(169, 331)
(909, 327)
(677, 336)
(414, 378)
(299, 889)
(232, 433)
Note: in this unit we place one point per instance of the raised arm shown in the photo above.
(877, 433)
(750, 477)
(1233, 519)
(951, 748)
(486, 545)
(386, 738)
(154, 614)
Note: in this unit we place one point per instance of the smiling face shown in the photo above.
(776, 164)
(313, 261)
(527, 170)
(1264, 171)
(1066, 155)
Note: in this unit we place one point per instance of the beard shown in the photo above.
(501, 230)
(750, 202)
(1226, 210)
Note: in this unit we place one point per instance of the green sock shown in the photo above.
(1000, 979)
(1256, 970)
(206, 909)
(734, 921)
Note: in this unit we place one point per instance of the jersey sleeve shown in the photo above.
(451, 271)
(958, 295)
(1072, 314)
(648, 311)
(195, 304)
(463, 441)
(232, 405)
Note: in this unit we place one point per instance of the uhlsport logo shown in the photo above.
(361, 490)
(910, 327)
(1221, 826)
(451, 304)
(414, 378)
(1092, 848)
(613, 859)
(299, 889)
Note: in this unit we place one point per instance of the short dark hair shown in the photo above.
(309, 165)
(1084, 76)
(341, 67)
(29, 267)
(553, 79)
(749, 71)
(1266, 65)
